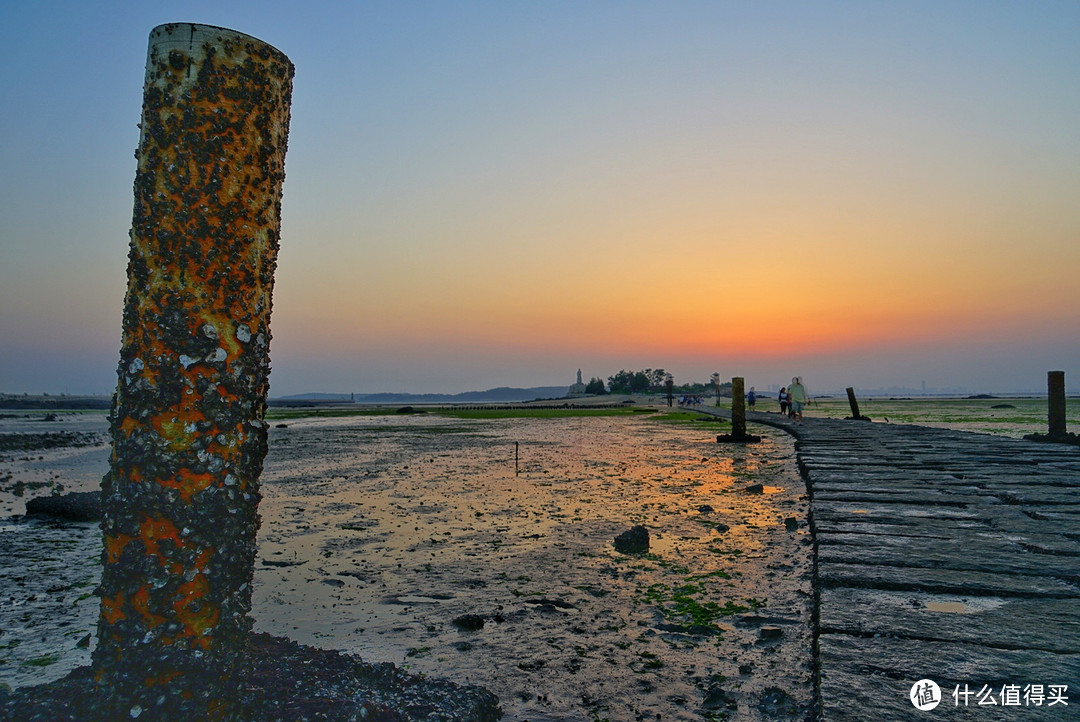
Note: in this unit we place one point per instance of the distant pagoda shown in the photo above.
(578, 388)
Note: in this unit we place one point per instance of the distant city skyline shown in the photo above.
(486, 194)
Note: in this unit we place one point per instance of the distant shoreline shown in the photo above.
(47, 402)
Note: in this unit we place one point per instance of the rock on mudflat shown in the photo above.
(470, 622)
(716, 697)
(77, 506)
(770, 632)
(633, 541)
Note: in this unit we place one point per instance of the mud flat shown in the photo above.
(417, 540)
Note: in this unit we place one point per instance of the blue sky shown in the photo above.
(484, 194)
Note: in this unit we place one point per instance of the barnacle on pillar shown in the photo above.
(181, 495)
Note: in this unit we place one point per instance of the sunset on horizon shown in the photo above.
(498, 194)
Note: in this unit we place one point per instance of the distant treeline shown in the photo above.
(653, 381)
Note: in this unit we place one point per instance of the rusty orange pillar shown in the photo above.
(181, 495)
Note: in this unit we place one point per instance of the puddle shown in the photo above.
(951, 604)
(951, 607)
(419, 599)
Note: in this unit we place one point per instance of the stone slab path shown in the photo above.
(941, 555)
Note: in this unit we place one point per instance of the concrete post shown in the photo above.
(738, 407)
(854, 403)
(1055, 392)
(181, 495)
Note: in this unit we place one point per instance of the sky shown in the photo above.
(484, 194)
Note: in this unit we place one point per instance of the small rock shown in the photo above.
(549, 605)
(771, 632)
(746, 669)
(469, 622)
(716, 698)
(78, 506)
(706, 509)
(777, 704)
(633, 541)
(791, 523)
(755, 489)
(84, 642)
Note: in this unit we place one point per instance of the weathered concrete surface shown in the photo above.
(941, 555)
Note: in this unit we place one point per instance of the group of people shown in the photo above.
(792, 399)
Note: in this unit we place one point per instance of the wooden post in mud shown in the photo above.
(188, 432)
(853, 402)
(1055, 393)
(738, 407)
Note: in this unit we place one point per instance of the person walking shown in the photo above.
(797, 394)
(751, 398)
(783, 399)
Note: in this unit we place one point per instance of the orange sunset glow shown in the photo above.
(860, 194)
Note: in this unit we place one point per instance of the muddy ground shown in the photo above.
(423, 541)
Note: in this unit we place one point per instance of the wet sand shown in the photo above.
(414, 540)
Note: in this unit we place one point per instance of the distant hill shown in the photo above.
(46, 401)
(502, 394)
(337, 398)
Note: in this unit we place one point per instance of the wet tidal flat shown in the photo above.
(481, 550)
(434, 550)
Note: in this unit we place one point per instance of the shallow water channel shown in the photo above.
(482, 551)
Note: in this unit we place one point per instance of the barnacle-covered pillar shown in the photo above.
(188, 431)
